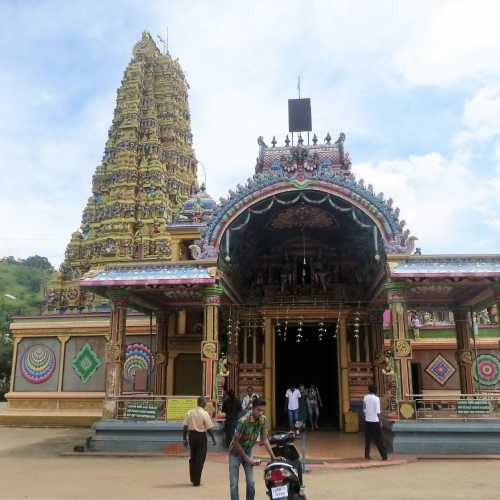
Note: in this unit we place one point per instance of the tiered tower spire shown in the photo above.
(147, 172)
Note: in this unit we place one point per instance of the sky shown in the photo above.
(414, 85)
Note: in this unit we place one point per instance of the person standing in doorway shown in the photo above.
(246, 402)
(292, 397)
(304, 415)
(252, 425)
(314, 403)
(197, 424)
(231, 407)
(373, 426)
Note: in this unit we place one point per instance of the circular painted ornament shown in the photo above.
(486, 369)
(137, 357)
(38, 364)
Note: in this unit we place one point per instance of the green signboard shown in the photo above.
(473, 406)
(141, 410)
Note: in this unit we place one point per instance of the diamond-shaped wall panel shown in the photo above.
(440, 369)
(85, 363)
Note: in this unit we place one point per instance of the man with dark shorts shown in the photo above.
(249, 428)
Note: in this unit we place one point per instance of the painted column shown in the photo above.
(401, 343)
(268, 367)
(181, 322)
(62, 357)
(464, 353)
(366, 343)
(376, 319)
(162, 352)
(170, 372)
(210, 343)
(496, 295)
(233, 358)
(343, 346)
(245, 346)
(115, 356)
(14, 363)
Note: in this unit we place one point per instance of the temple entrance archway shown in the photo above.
(309, 256)
(307, 354)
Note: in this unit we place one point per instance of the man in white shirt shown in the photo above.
(292, 396)
(198, 424)
(373, 426)
(246, 402)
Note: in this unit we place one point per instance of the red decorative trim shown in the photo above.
(212, 300)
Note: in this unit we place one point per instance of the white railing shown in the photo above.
(459, 406)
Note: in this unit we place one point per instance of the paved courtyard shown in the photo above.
(32, 467)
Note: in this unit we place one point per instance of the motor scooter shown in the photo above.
(283, 476)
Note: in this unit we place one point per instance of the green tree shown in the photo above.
(39, 262)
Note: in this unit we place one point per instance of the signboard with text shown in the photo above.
(141, 410)
(473, 406)
(178, 407)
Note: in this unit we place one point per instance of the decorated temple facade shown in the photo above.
(303, 274)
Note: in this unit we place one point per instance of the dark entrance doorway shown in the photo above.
(313, 360)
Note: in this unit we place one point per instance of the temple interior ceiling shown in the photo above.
(301, 249)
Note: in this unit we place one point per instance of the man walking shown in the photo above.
(373, 426)
(292, 396)
(197, 423)
(252, 425)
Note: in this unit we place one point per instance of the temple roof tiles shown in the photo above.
(152, 274)
(447, 266)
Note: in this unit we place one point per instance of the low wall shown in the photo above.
(141, 436)
(441, 437)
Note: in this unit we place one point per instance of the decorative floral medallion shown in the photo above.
(407, 410)
(209, 349)
(86, 363)
(38, 364)
(402, 348)
(440, 369)
(486, 369)
(137, 357)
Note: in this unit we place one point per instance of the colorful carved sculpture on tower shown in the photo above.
(147, 173)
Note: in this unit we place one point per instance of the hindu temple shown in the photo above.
(301, 274)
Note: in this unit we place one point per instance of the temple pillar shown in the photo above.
(210, 342)
(401, 343)
(343, 348)
(115, 356)
(181, 322)
(162, 352)
(268, 367)
(170, 372)
(464, 353)
(233, 359)
(376, 320)
(496, 295)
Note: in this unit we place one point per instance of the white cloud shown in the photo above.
(455, 41)
(435, 195)
(242, 65)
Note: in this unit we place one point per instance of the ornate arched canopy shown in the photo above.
(323, 169)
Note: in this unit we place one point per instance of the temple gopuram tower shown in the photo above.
(147, 172)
